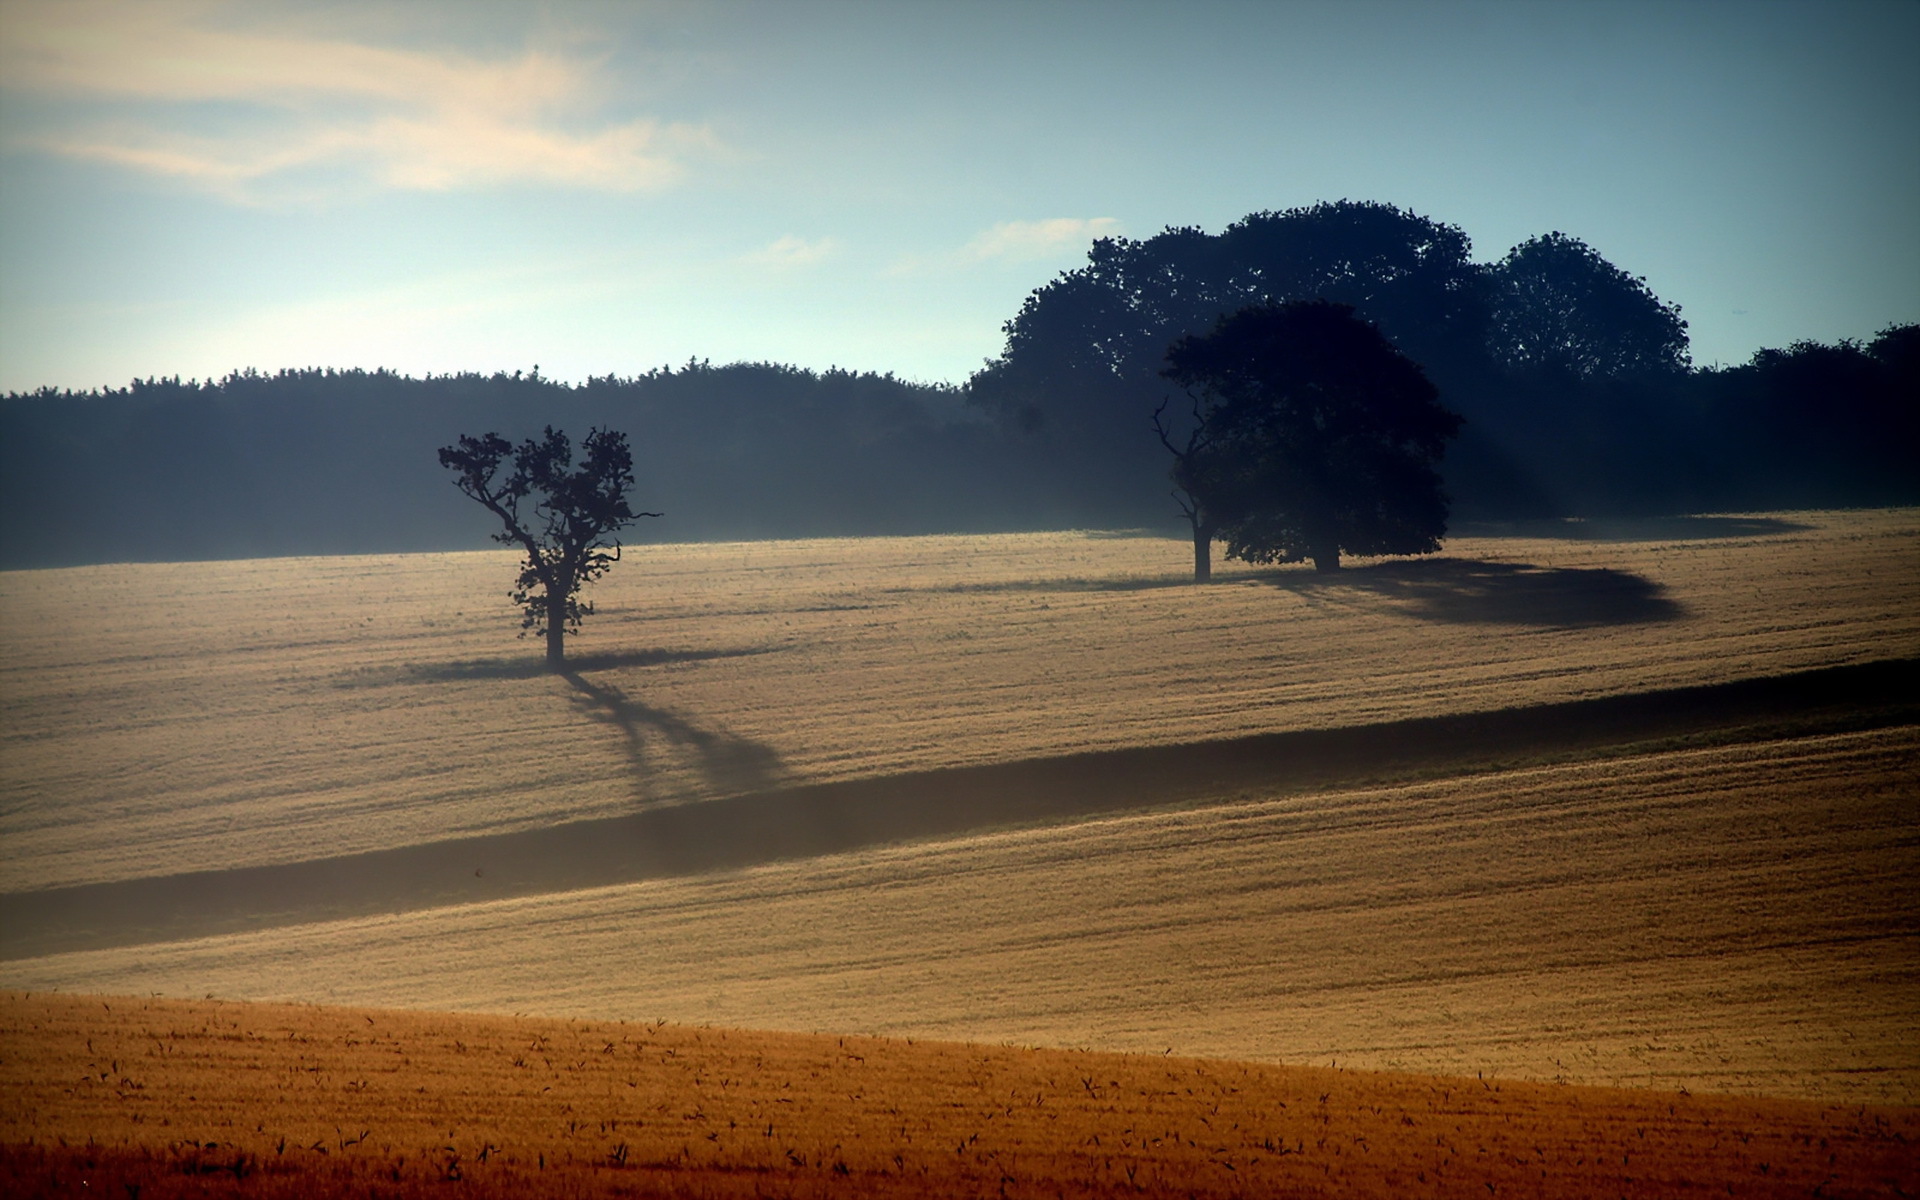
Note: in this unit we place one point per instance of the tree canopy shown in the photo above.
(1316, 437)
(1531, 348)
(1556, 306)
(1088, 346)
(565, 518)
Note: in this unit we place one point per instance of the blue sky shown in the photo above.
(194, 187)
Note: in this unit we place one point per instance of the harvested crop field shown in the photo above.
(160, 718)
(180, 1098)
(1731, 919)
(1633, 808)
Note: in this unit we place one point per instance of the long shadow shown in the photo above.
(728, 764)
(533, 668)
(1470, 592)
(1119, 583)
(804, 821)
(1631, 529)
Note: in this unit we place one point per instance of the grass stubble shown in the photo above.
(159, 718)
(1680, 917)
(161, 1098)
(1730, 919)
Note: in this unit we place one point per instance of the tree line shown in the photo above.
(342, 461)
(1572, 378)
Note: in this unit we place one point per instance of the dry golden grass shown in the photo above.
(1736, 919)
(164, 1098)
(1728, 918)
(173, 717)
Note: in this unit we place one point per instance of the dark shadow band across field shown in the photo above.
(1632, 529)
(784, 823)
(1464, 591)
(1461, 591)
(1118, 583)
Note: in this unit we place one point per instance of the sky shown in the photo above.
(190, 187)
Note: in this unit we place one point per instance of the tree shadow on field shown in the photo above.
(1117, 583)
(793, 821)
(1631, 529)
(729, 765)
(535, 667)
(1460, 591)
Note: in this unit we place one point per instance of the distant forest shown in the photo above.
(1574, 380)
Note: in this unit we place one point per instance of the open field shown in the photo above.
(1631, 812)
(211, 1099)
(1736, 919)
(162, 718)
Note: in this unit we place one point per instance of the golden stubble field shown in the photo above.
(160, 718)
(1735, 920)
(1724, 916)
(178, 1098)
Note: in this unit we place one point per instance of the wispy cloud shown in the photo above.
(1015, 242)
(198, 93)
(791, 251)
(1025, 241)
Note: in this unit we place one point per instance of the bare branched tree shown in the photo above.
(1191, 463)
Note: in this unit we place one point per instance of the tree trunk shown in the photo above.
(1326, 557)
(1202, 553)
(556, 631)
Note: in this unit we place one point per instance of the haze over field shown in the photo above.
(1525, 804)
(259, 262)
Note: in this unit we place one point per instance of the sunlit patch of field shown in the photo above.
(111, 1095)
(1723, 909)
(160, 718)
(1734, 919)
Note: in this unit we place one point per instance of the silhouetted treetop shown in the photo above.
(1897, 349)
(1088, 339)
(1558, 307)
(1411, 276)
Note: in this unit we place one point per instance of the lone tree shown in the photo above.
(567, 530)
(1313, 435)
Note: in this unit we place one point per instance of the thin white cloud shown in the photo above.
(1014, 242)
(1026, 241)
(402, 118)
(790, 251)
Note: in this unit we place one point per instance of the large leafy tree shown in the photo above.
(1314, 436)
(1565, 361)
(565, 517)
(1558, 308)
(1093, 341)
(1080, 372)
